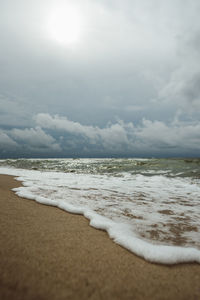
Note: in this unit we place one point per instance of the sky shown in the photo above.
(99, 78)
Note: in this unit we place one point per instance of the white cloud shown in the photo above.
(72, 138)
(125, 137)
(179, 136)
(35, 138)
(109, 136)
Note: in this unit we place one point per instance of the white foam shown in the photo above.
(104, 199)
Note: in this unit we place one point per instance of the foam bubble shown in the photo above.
(131, 208)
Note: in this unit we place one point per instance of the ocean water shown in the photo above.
(149, 206)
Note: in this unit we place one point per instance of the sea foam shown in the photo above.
(126, 207)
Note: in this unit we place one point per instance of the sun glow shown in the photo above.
(65, 25)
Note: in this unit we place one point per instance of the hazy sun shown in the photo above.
(64, 24)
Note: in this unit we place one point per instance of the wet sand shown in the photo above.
(47, 253)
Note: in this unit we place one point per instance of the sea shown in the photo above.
(149, 206)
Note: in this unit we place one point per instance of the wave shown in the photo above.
(155, 217)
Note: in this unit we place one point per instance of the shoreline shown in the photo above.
(59, 256)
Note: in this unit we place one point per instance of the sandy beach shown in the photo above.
(47, 253)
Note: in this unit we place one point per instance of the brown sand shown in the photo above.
(47, 253)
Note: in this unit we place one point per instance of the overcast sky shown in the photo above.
(99, 78)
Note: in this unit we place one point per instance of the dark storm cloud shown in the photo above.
(130, 83)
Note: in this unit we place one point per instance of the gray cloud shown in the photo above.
(131, 83)
(112, 134)
(126, 137)
(6, 142)
(183, 87)
(35, 139)
(58, 136)
(181, 137)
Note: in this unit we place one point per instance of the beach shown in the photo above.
(47, 253)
